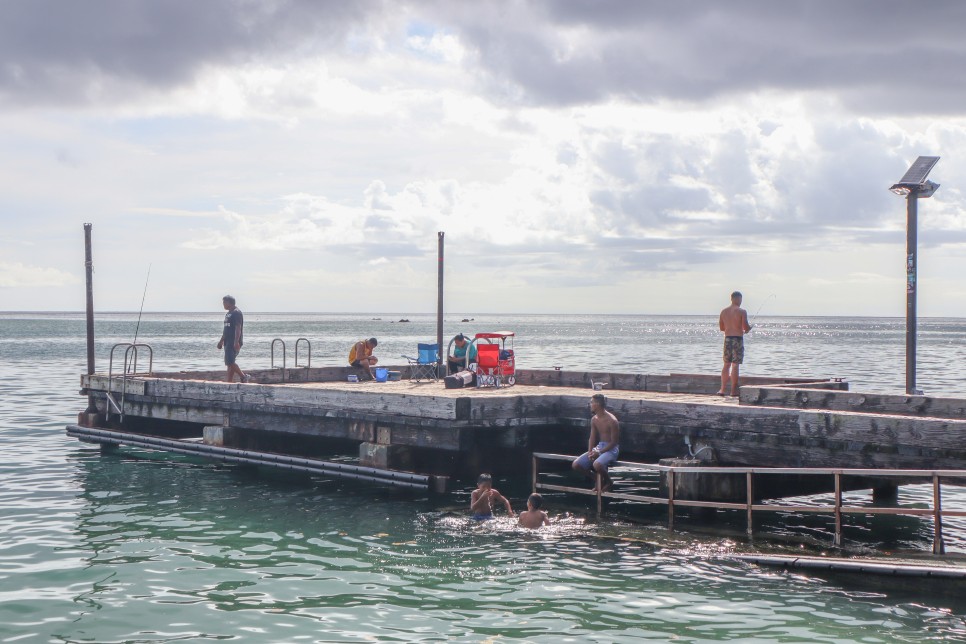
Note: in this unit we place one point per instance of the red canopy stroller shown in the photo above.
(495, 364)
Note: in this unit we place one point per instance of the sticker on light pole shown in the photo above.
(910, 273)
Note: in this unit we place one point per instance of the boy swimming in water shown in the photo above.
(483, 498)
(533, 517)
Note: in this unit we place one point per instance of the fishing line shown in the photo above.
(760, 307)
(142, 304)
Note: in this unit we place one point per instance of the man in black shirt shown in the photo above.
(231, 338)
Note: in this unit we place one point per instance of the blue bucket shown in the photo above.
(382, 374)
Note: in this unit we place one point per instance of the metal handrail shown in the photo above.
(309, 345)
(274, 342)
(130, 367)
(837, 508)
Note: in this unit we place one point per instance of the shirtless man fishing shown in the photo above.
(734, 322)
(602, 446)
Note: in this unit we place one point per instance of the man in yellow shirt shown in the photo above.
(360, 355)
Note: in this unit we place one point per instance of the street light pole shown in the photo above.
(439, 304)
(912, 212)
(913, 186)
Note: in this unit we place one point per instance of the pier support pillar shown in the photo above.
(885, 494)
(90, 419)
(386, 457)
(217, 435)
(705, 487)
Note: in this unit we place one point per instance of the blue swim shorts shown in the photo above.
(605, 458)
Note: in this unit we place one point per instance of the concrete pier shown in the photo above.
(423, 427)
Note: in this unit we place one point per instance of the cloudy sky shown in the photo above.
(609, 156)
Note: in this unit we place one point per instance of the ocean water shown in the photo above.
(136, 546)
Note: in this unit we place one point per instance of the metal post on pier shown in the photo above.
(913, 186)
(938, 545)
(749, 510)
(912, 227)
(439, 306)
(837, 540)
(670, 500)
(533, 473)
(599, 489)
(89, 268)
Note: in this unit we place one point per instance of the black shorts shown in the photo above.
(355, 364)
(230, 354)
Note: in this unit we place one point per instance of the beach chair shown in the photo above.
(425, 365)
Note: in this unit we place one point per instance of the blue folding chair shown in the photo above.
(425, 365)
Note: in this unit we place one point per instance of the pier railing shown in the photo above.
(837, 508)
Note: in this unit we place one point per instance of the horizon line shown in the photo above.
(433, 315)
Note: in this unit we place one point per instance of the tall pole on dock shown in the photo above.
(89, 269)
(912, 227)
(439, 305)
(913, 186)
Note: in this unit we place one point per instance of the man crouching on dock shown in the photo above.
(360, 355)
(603, 446)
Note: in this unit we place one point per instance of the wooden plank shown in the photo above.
(175, 412)
(305, 425)
(278, 376)
(843, 426)
(520, 407)
(117, 384)
(896, 404)
(676, 383)
(386, 401)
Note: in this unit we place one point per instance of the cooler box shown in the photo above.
(458, 380)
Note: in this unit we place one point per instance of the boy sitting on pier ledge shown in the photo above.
(483, 498)
(605, 432)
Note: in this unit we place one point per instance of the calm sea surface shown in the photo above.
(143, 547)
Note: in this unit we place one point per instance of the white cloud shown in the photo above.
(17, 275)
(441, 46)
(555, 148)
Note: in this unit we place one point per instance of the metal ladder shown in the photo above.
(130, 369)
(298, 342)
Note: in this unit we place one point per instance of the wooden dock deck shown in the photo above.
(423, 427)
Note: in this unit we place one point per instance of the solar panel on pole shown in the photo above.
(918, 171)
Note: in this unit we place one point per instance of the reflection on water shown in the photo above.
(134, 546)
(353, 563)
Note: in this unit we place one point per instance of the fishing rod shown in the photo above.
(762, 306)
(755, 316)
(136, 328)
